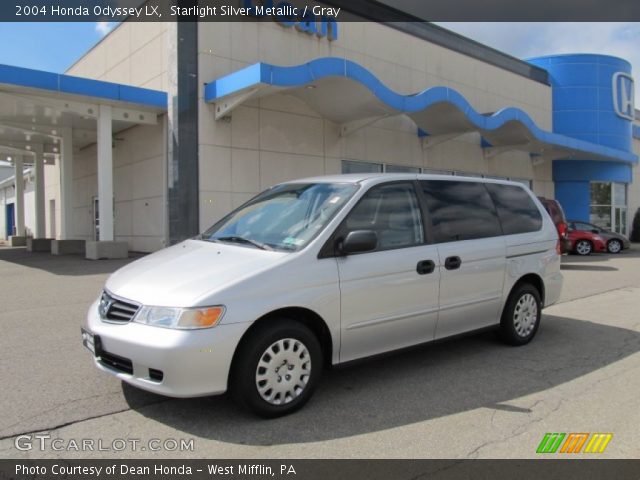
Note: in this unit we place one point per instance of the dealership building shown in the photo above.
(162, 128)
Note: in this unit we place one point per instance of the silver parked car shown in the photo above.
(323, 271)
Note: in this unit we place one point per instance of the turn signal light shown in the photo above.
(207, 317)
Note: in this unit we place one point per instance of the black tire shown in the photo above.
(583, 247)
(614, 246)
(514, 330)
(243, 382)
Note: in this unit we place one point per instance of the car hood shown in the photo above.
(610, 235)
(185, 274)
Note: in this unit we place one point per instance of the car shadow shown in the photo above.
(589, 268)
(75, 265)
(429, 382)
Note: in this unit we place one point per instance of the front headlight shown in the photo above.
(181, 318)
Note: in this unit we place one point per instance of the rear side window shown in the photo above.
(516, 210)
(460, 210)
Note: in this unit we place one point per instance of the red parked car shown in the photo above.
(585, 242)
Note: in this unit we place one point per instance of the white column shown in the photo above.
(105, 174)
(66, 184)
(19, 202)
(38, 167)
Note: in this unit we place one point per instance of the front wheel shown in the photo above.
(276, 368)
(584, 247)
(521, 316)
(614, 246)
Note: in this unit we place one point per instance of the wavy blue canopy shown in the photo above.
(344, 92)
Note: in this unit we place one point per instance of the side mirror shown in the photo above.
(358, 241)
(595, 231)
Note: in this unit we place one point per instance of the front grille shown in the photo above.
(116, 310)
(116, 362)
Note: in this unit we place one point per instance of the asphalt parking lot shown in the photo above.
(467, 398)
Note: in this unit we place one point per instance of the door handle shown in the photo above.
(425, 267)
(452, 263)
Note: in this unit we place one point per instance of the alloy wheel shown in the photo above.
(583, 247)
(614, 246)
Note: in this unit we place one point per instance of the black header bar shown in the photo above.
(339, 10)
(257, 469)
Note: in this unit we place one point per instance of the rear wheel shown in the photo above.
(584, 247)
(276, 368)
(521, 316)
(614, 246)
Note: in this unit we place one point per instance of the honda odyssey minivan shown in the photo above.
(324, 271)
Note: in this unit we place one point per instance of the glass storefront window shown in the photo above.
(434, 171)
(350, 166)
(600, 193)
(400, 169)
(620, 194)
(609, 206)
(601, 216)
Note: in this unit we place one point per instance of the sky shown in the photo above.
(48, 46)
(526, 40)
(56, 46)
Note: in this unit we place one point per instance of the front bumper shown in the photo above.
(192, 362)
(599, 246)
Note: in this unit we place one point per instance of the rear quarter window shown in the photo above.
(516, 210)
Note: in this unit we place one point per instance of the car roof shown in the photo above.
(361, 178)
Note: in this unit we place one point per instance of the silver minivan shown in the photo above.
(323, 271)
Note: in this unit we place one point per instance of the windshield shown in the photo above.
(285, 217)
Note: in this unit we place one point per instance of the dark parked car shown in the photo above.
(614, 242)
(554, 209)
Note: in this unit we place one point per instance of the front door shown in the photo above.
(389, 297)
(10, 219)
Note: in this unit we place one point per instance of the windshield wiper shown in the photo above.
(248, 241)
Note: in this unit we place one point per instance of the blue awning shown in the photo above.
(55, 83)
(36, 106)
(349, 94)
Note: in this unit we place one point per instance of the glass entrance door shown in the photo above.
(619, 215)
(10, 216)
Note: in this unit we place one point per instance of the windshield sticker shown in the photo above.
(293, 241)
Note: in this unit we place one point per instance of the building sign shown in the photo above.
(623, 95)
(312, 20)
